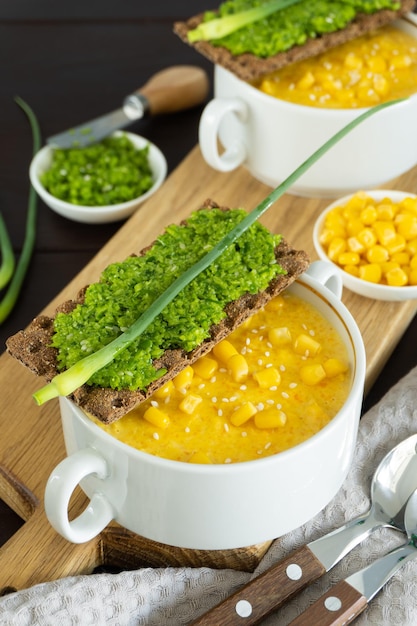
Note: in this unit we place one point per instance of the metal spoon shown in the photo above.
(348, 598)
(392, 483)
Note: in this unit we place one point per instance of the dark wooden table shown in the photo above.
(72, 61)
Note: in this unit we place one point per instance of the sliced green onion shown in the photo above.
(222, 26)
(71, 379)
(13, 291)
(7, 255)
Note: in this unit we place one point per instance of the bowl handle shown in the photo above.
(212, 116)
(327, 275)
(60, 487)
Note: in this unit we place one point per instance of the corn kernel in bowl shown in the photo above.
(372, 238)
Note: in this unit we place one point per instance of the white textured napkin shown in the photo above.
(176, 596)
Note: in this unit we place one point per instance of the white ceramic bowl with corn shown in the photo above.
(212, 506)
(371, 238)
(271, 136)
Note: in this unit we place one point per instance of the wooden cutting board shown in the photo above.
(31, 441)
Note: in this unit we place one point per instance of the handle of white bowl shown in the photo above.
(213, 115)
(60, 487)
(327, 275)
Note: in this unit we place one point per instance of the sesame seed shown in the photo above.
(267, 353)
(244, 433)
(269, 344)
(270, 401)
(292, 385)
(260, 361)
(201, 385)
(282, 368)
(226, 427)
(285, 394)
(260, 406)
(213, 379)
(243, 351)
(225, 399)
(154, 403)
(279, 406)
(255, 331)
(269, 365)
(156, 436)
(223, 370)
(233, 398)
(273, 388)
(247, 341)
(243, 387)
(228, 460)
(312, 332)
(187, 429)
(260, 452)
(214, 399)
(267, 445)
(220, 412)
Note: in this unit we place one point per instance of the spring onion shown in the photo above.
(7, 255)
(222, 26)
(74, 377)
(14, 288)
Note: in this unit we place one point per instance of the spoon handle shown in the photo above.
(175, 89)
(266, 592)
(339, 606)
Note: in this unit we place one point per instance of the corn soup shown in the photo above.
(274, 382)
(375, 68)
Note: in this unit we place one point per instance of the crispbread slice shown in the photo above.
(250, 67)
(32, 347)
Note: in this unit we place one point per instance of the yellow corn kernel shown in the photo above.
(353, 270)
(371, 272)
(355, 245)
(353, 61)
(279, 336)
(155, 416)
(336, 247)
(412, 246)
(387, 266)
(306, 81)
(190, 403)
(368, 215)
(306, 345)
(312, 374)
(396, 244)
(377, 254)
(367, 237)
(413, 262)
(396, 277)
(334, 219)
(406, 225)
(376, 64)
(276, 303)
(238, 367)
(412, 278)
(184, 379)
(354, 226)
(328, 234)
(349, 258)
(358, 201)
(334, 366)
(224, 350)
(410, 205)
(381, 85)
(243, 413)
(268, 377)
(205, 367)
(385, 231)
(165, 391)
(402, 258)
(270, 418)
(200, 457)
(385, 212)
(400, 61)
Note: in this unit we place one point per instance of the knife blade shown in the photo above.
(173, 89)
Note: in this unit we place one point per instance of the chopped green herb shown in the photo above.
(289, 26)
(106, 173)
(128, 288)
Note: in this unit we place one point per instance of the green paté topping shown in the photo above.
(127, 289)
(292, 25)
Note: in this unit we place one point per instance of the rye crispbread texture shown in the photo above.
(249, 67)
(32, 347)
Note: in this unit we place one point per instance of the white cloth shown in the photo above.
(176, 596)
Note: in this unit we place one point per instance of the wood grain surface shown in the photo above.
(31, 442)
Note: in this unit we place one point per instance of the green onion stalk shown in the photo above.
(222, 26)
(69, 380)
(15, 286)
(7, 255)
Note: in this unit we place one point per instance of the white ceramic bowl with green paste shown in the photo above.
(99, 214)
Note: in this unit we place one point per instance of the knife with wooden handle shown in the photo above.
(173, 89)
(348, 598)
